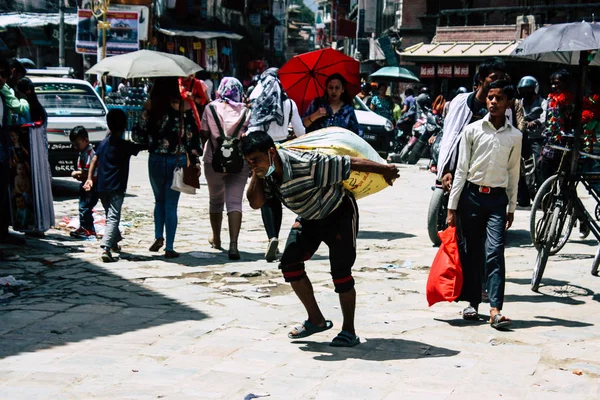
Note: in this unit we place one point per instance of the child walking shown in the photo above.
(484, 193)
(87, 198)
(111, 163)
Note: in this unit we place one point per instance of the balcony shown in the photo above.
(544, 14)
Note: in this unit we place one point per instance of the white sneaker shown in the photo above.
(272, 248)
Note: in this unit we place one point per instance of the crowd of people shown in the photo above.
(234, 140)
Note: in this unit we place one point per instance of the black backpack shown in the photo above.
(227, 156)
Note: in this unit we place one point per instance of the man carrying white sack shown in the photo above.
(310, 185)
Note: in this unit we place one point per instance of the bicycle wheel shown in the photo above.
(539, 209)
(549, 234)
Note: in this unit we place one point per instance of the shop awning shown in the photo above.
(34, 20)
(459, 50)
(201, 34)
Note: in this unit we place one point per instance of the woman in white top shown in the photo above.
(272, 112)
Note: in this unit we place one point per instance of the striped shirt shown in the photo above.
(312, 182)
(85, 159)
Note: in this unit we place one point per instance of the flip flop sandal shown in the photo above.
(308, 328)
(470, 314)
(497, 323)
(345, 339)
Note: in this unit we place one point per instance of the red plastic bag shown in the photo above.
(445, 276)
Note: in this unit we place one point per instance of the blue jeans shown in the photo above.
(87, 202)
(112, 203)
(160, 169)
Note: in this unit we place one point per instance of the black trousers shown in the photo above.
(4, 200)
(272, 215)
(338, 230)
(483, 223)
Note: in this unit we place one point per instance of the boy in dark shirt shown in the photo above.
(87, 198)
(112, 165)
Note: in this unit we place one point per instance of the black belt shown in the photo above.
(485, 189)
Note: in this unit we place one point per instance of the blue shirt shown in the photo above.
(344, 118)
(113, 163)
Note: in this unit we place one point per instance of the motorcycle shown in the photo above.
(427, 125)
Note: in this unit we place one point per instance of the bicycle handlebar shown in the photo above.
(557, 147)
(592, 156)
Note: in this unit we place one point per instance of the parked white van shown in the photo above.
(69, 103)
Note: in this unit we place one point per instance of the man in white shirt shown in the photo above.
(485, 185)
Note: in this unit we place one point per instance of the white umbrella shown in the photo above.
(145, 64)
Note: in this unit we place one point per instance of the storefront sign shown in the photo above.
(197, 45)
(212, 62)
(121, 37)
(143, 20)
(278, 37)
(461, 70)
(444, 71)
(279, 10)
(427, 71)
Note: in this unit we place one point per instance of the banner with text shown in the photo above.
(121, 37)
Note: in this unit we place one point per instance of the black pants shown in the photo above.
(4, 201)
(338, 231)
(272, 215)
(483, 223)
(548, 167)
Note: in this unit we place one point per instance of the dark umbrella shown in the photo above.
(574, 44)
(303, 77)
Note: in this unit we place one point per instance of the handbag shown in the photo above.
(185, 179)
(445, 279)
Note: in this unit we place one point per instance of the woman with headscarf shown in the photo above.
(160, 130)
(225, 116)
(272, 111)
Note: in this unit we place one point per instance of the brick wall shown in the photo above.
(411, 11)
(476, 33)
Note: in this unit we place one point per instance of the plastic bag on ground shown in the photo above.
(342, 142)
(445, 276)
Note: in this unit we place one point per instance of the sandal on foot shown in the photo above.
(158, 243)
(345, 339)
(171, 254)
(470, 314)
(499, 323)
(213, 244)
(308, 328)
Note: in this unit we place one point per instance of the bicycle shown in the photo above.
(558, 200)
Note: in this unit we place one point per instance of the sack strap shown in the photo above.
(291, 111)
(216, 118)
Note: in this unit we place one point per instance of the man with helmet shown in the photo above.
(365, 93)
(534, 106)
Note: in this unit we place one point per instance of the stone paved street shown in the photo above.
(201, 327)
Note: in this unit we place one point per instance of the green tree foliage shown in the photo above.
(304, 14)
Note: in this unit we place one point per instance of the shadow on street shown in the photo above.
(381, 235)
(376, 349)
(70, 300)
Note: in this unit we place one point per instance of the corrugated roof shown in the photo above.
(460, 49)
(34, 20)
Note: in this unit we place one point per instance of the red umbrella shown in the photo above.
(303, 77)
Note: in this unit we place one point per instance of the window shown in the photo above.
(69, 99)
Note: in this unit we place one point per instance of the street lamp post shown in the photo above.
(100, 10)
